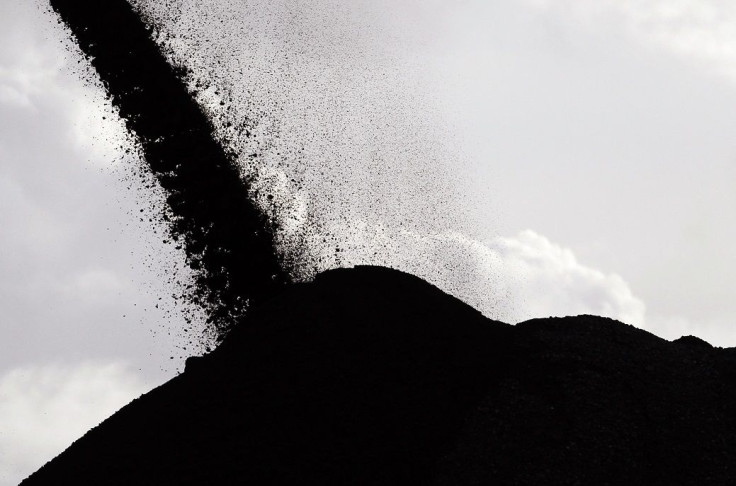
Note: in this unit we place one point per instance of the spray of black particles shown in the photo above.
(228, 241)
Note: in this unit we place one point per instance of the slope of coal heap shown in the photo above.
(372, 376)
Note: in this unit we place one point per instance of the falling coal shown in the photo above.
(228, 240)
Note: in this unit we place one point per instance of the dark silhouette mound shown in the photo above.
(373, 376)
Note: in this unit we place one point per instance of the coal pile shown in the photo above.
(373, 376)
(370, 376)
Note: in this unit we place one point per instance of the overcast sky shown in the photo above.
(532, 157)
(80, 275)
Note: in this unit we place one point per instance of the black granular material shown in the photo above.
(370, 376)
(228, 240)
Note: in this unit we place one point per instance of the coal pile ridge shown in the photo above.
(372, 376)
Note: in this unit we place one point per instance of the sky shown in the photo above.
(531, 157)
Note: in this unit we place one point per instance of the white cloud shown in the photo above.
(36, 75)
(507, 278)
(97, 130)
(29, 66)
(701, 29)
(43, 409)
(31, 74)
(547, 279)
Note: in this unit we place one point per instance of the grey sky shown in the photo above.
(608, 129)
(532, 157)
(80, 275)
(76, 259)
(603, 128)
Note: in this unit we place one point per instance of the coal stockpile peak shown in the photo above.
(373, 376)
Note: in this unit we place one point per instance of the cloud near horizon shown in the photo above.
(507, 278)
(698, 29)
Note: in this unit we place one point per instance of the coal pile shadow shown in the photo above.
(373, 376)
